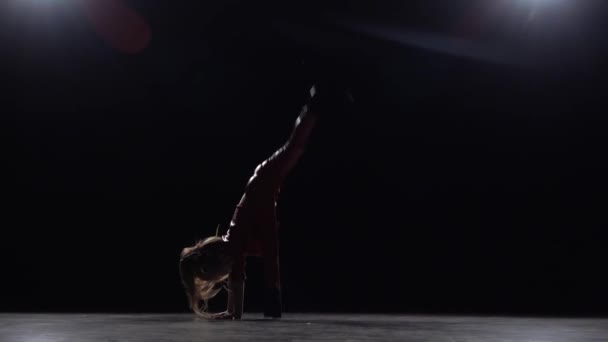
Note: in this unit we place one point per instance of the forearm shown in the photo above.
(236, 297)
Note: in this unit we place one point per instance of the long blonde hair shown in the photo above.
(193, 278)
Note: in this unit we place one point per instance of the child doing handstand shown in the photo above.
(253, 230)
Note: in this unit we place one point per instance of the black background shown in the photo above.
(457, 184)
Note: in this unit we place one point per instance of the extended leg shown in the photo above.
(326, 99)
(285, 158)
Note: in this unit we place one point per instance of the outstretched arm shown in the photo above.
(236, 288)
(236, 298)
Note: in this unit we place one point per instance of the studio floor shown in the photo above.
(296, 327)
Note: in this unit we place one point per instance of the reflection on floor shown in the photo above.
(296, 327)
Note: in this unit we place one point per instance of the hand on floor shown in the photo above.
(223, 316)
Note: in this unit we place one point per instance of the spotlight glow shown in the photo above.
(534, 33)
(33, 8)
(115, 22)
(34, 4)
